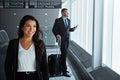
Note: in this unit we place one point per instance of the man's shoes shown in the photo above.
(66, 75)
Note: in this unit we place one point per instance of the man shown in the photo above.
(61, 31)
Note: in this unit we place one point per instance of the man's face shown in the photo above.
(65, 13)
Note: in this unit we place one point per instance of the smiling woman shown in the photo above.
(29, 28)
(26, 56)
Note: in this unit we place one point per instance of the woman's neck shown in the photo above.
(24, 39)
(26, 43)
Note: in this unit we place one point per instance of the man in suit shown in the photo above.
(61, 31)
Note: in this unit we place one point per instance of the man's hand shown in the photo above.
(58, 37)
(74, 28)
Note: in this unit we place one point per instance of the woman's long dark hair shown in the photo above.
(36, 37)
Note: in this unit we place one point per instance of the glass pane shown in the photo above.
(116, 38)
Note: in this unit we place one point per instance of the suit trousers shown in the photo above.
(64, 49)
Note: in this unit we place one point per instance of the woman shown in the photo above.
(26, 56)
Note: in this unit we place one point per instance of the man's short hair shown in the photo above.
(63, 9)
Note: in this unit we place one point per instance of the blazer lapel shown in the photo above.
(16, 48)
(61, 20)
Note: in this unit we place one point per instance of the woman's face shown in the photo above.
(29, 28)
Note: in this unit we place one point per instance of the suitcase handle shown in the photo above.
(59, 45)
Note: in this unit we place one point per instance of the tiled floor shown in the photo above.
(55, 50)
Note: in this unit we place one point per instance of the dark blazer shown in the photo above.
(11, 62)
(60, 28)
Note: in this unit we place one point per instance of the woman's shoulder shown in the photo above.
(41, 41)
(14, 40)
(38, 42)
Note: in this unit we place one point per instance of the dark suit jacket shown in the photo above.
(60, 28)
(11, 62)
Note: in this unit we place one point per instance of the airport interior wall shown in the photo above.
(10, 18)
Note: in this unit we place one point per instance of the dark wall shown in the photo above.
(9, 20)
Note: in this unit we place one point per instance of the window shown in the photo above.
(116, 37)
(111, 35)
(82, 15)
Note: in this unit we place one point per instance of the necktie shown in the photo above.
(66, 23)
(67, 26)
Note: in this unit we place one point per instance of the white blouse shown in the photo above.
(26, 59)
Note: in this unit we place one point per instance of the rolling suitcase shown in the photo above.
(54, 63)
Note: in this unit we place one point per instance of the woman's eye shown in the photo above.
(34, 26)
